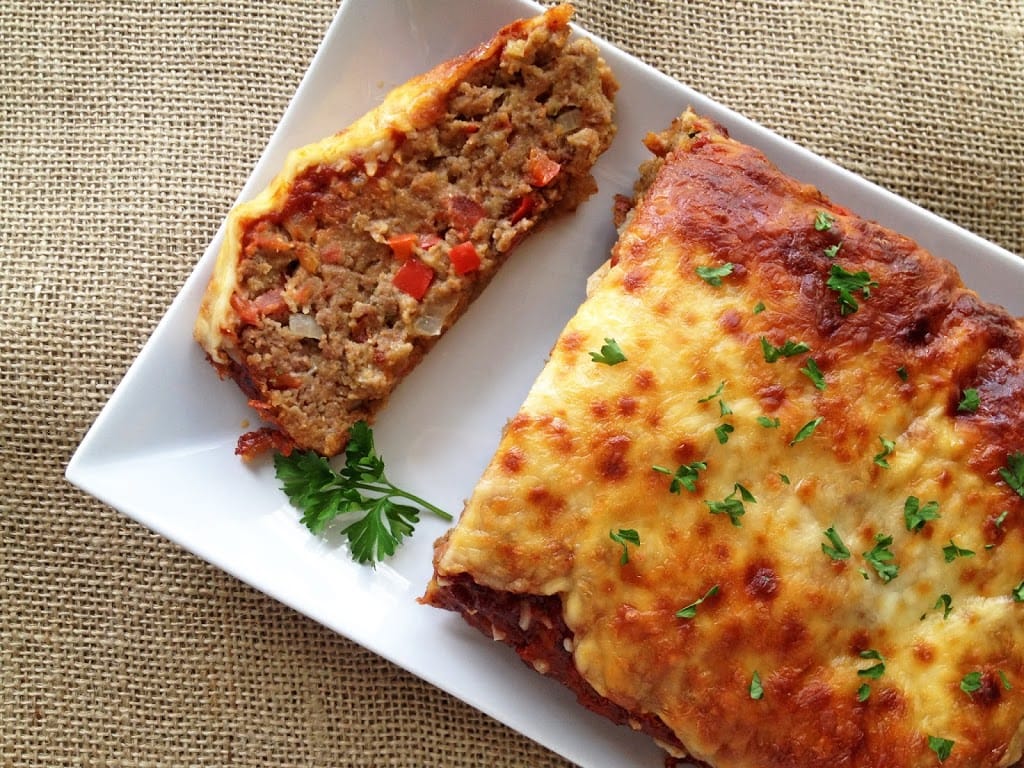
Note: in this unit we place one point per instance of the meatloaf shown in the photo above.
(765, 501)
(333, 283)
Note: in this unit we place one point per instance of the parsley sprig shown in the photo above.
(1013, 472)
(359, 493)
(846, 283)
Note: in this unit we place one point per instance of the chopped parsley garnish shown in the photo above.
(723, 408)
(915, 515)
(875, 671)
(714, 275)
(358, 493)
(690, 611)
(833, 250)
(902, 373)
(1013, 472)
(768, 422)
(880, 557)
(788, 349)
(846, 283)
(823, 221)
(732, 506)
(881, 458)
(684, 477)
(806, 430)
(813, 372)
(784, 478)
(864, 692)
(951, 552)
(945, 602)
(969, 401)
(722, 432)
(1005, 680)
(941, 747)
(970, 683)
(610, 354)
(998, 522)
(756, 689)
(837, 550)
(714, 394)
(759, 308)
(1018, 593)
(625, 536)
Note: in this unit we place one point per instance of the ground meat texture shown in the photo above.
(334, 311)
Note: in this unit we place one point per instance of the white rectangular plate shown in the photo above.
(161, 451)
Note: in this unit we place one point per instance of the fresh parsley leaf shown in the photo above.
(690, 611)
(1018, 593)
(1013, 473)
(806, 430)
(723, 408)
(833, 250)
(837, 550)
(625, 536)
(998, 522)
(864, 692)
(769, 422)
(756, 689)
(846, 283)
(969, 401)
(902, 373)
(880, 558)
(1005, 680)
(788, 349)
(685, 476)
(915, 515)
(714, 394)
(970, 683)
(823, 221)
(713, 275)
(881, 458)
(610, 354)
(875, 671)
(732, 506)
(941, 747)
(759, 308)
(813, 372)
(951, 552)
(945, 602)
(784, 478)
(722, 432)
(358, 494)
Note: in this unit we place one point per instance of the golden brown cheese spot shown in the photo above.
(512, 460)
(635, 280)
(731, 321)
(599, 409)
(627, 406)
(611, 458)
(762, 582)
(644, 380)
(572, 342)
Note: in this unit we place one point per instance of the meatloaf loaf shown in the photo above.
(765, 501)
(333, 283)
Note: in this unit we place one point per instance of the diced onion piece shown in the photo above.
(413, 278)
(434, 315)
(464, 258)
(305, 326)
(569, 121)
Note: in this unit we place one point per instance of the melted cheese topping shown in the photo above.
(577, 464)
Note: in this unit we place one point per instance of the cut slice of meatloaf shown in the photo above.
(333, 283)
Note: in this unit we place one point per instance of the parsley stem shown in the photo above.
(390, 490)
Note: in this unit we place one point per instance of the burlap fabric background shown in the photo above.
(128, 129)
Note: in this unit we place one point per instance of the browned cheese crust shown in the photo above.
(824, 488)
(335, 282)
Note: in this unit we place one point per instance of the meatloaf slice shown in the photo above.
(334, 282)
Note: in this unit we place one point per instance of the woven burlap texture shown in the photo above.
(129, 128)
